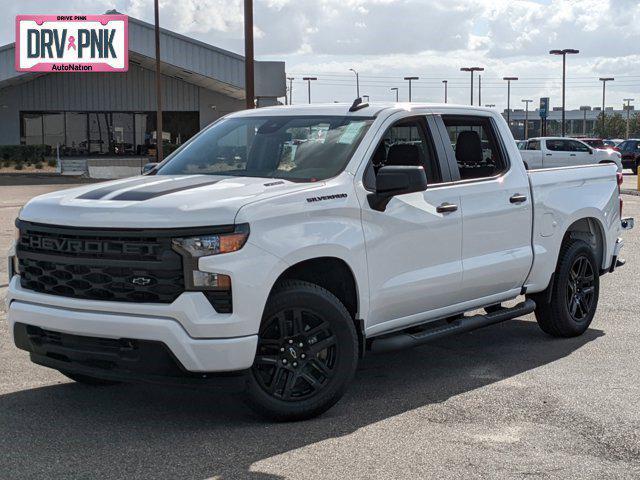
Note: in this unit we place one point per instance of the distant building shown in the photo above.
(578, 122)
(107, 115)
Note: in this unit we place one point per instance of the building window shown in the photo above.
(122, 134)
(31, 126)
(100, 133)
(76, 142)
(53, 130)
(99, 143)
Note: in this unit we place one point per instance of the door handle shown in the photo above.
(572, 154)
(446, 208)
(518, 198)
(549, 154)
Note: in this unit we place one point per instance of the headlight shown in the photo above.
(204, 245)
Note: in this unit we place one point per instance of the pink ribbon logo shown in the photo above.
(72, 43)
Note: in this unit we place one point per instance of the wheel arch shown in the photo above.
(591, 231)
(331, 273)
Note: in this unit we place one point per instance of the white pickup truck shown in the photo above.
(552, 152)
(281, 244)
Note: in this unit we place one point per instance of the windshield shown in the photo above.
(298, 148)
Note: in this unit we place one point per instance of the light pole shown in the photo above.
(309, 80)
(395, 89)
(471, 70)
(410, 80)
(585, 109)
(628, 100)
(604, 81)
(509, 80)
(159, 144)
(564, 53)
(291, 79)
(446, 84)
(357, 82)
(479, 90)
(526, 118)
(249, 77)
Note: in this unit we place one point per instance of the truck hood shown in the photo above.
(163, 201)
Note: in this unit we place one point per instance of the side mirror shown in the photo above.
(396, 180)
(146, 170)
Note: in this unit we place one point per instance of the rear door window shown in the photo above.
(475, 144)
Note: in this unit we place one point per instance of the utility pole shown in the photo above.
(357, 82)
(446, 84)
(471, 70)
(479, 90)
(159, 143)
(249, 77)
(291, 79)
(604, 81)
(526, 119)
(509, 80)
(628, 100)
(309, 80)
(395, 89)
(564, 53)
(410, 80)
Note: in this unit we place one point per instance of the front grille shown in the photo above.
(123, 266)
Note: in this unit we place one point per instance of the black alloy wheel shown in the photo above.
(580, 288)
(307, 353)
(296, 354)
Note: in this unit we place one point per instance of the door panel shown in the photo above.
(413, 250)
(414, 255)
(496, 210)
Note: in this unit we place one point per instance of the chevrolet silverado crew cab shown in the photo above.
(550, 152)
(280, 245)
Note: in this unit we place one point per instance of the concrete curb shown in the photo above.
(626, 191)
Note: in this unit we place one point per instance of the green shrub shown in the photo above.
(168, 149)
(24, 153)
(18, 166)
(39, 166)
(52, 162)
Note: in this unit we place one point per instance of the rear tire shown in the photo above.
(573, 293)
(87, 380)
(307, 353)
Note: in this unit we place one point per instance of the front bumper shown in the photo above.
(200, 339)
(192, 354)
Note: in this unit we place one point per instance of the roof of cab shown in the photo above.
(372, 110)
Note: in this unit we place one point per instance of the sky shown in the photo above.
(386, 40)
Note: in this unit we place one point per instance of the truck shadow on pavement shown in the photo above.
(135, 431)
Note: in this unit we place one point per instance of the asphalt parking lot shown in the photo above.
(502, 402)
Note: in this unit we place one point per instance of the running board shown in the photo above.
(404, 339)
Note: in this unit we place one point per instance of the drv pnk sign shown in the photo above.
(72, 43)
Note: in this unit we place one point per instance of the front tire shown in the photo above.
(307, 353)
(574, 292)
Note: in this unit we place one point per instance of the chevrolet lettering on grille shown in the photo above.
(70, 245)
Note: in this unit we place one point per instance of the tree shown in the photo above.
(615, 126)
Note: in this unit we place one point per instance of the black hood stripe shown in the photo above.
(102, 192)
(165, 188)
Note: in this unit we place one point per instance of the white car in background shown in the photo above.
(551, 152)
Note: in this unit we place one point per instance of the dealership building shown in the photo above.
(95, 117)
